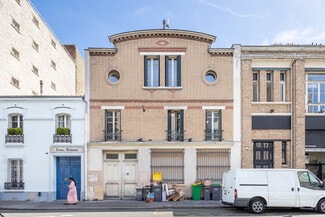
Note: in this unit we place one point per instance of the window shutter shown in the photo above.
(181, 125)
(145, 71)
(166, 72)
(169, 126)
(179, 83)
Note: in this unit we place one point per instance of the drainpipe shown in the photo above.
(291, 108)
(86, 99)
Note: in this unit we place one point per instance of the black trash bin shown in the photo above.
(157, 190)
(207, 193)
(139, 193)
(145, 192)
(216, 192)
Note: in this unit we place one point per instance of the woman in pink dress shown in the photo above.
(72, 197)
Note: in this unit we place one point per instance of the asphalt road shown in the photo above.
(206, 212)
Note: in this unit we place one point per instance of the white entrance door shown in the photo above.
(120, 175)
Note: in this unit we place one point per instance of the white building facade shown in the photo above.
(33, 61)
(42, 145)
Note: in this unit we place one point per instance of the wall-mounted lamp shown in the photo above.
(271, 110)
(143, 109)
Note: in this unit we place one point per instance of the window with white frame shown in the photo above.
(175, 131)
(16, 25)
(282, 86)
(63, 121)
(35, 70)
(14, 82)
(315, 85)
(173, 71)
(151, 71)
(53, 64)
(53, 43)
(16, 121)
(113, 125)
(15, 175)
(15, 53)
(53, 85)
(35, 21)
(269, 86)
(213, 131)
(256, 96)
(35, 45)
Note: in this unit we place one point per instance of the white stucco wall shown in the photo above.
(38, 149)
(21, 68)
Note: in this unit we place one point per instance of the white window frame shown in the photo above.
(15, 25)
(15, 170)
(282, 86)
(256, 84)
(63, 121)
(19, 121)
(173, 71)
(320, 105)
(152, 71)
(269, 86)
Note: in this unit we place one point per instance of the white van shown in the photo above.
(257, 189)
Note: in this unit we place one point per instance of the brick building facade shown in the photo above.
(160, 101)
(282, 106)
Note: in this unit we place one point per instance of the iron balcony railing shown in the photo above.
(213, 135)
(109, 136)
(173, 135)
(14, 138)
(62, 138)
(14, 185)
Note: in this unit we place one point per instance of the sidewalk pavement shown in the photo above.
(111, 205)
(107, 205)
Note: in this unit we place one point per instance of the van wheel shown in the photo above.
(257, 206)
(321, 206)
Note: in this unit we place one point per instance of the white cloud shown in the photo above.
(140, 11)
(229, 10)
(300, 36)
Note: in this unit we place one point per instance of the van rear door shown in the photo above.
(282, 188)
(228, 187)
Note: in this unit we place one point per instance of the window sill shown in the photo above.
(162, 88)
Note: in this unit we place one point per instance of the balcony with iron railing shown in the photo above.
(173, 135)
(14, 185)
(113, 136)
(213, 135)
(62, 138)
(14, 138)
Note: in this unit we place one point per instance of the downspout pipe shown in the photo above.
(291, 108)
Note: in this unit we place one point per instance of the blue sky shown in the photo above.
(88, 23)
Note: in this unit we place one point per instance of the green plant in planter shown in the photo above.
(15, 131)
(62, 131)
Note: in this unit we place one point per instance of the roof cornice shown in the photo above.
(162, 33)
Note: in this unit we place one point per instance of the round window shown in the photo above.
(113, 76)
(211, 76)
